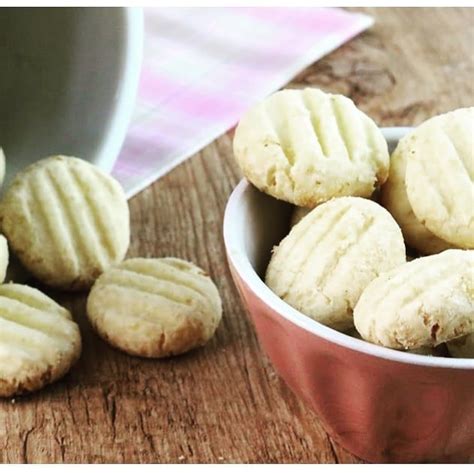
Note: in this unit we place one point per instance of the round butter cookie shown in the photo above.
(331, 255)
(155, 307)
(393, 196)
(425, 302)
(39, 341)
(66, 221)
(307, 146)
(462, 347)
(4, 258)
(440, 176)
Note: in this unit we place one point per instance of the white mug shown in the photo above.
(68, 82)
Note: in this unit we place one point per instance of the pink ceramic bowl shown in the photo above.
(380, 404)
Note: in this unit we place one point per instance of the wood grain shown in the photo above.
(224, 403)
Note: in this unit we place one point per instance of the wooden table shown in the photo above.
(224, 403)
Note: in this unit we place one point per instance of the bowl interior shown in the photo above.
(62, 83)
(254, 222)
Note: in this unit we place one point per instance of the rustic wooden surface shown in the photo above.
(224, 403)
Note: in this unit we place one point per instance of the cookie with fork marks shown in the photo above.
(39, 341)
(155, 307)
(66, 221)
(307, 146)
(331, 255)
(425, 302)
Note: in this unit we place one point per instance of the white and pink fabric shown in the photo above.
(203, 67)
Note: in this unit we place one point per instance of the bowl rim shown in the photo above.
(238, 258)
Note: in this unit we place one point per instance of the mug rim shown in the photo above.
(238, 258)
(121, 114)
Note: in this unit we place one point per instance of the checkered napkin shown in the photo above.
(203, 67)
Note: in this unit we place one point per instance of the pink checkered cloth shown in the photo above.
(203, 67)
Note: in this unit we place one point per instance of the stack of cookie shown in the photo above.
(343, 262)
(68, 225)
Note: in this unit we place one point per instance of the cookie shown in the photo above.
(2, 166)
(393, 196)
(425, 302)
(39, 341)
(4, 258)
(306, 147)
(462, 347)
(66, 221)
(155, 307)
(440, 176)
(330, 256)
